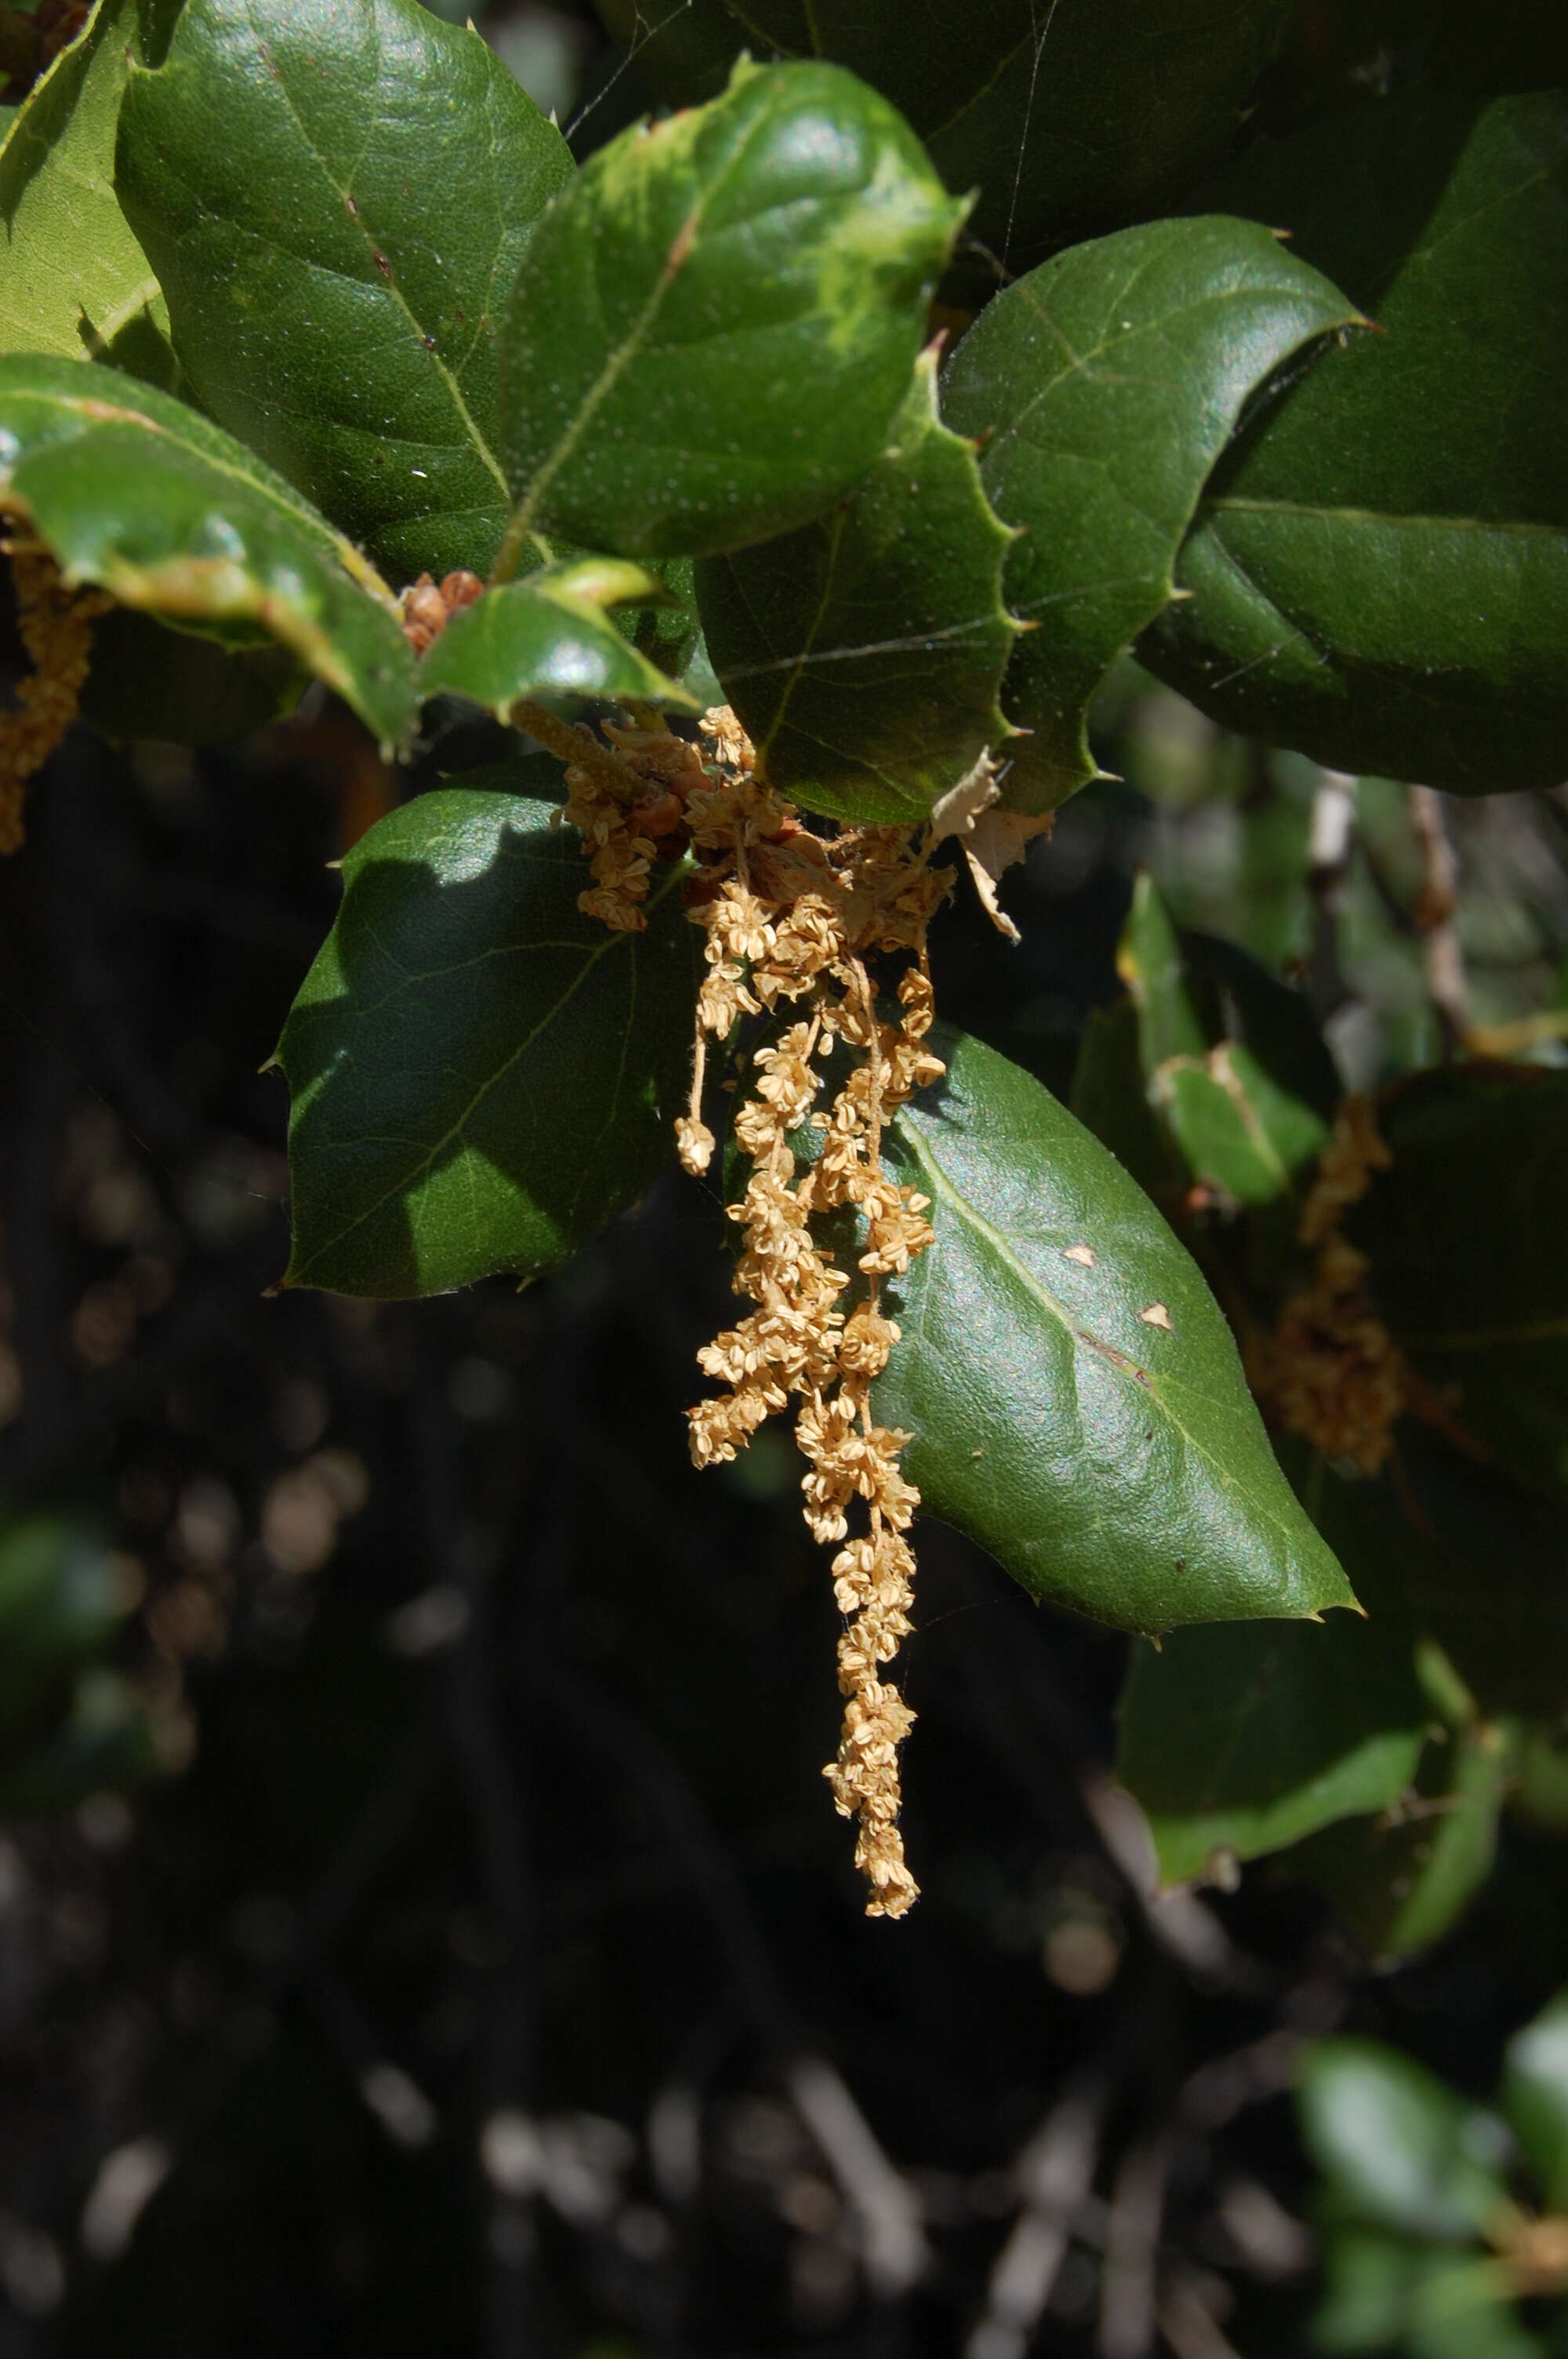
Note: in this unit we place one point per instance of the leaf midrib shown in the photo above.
(965, 1209)
(465, 415)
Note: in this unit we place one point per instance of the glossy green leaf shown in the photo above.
(1107, 383)
(1087, 1422)
(1535, 2097)
(1237, 1740)
(145, 498)
(335, 197)
(481, 1075)
(1248, 1106)
(717, 322)
(548, 634)
(1067, 118)
(1470, 1256)
(865, 651)
(1399, 2148)
(72, 272)
(1403, 1882)
(1379, 573)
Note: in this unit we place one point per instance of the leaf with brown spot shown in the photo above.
(1145, 1495)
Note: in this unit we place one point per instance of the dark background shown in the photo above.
(423, 1923)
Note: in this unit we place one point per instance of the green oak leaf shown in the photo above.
(1399, 2148)
(335, 197)
(1535, 2096)
(548, 634)
(1237, 1740)
(1248, 1104)
(864, 652)
(1469, 1266)
(481, 1076)
(712, 331)
(136, 493)
(1378, 571)
(1069, 117)
(72, 272)
(1107, 383)
(1086, 1421)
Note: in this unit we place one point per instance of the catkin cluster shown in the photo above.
(55, 627)
(794, 923)
(1331, 1370)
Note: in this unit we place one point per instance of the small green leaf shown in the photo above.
(1399, 2148)
(548, 634)
(712, 331)
(1068, 118)
(481, 1076)
(335, 197)
(864, 652)
(1469, 1255)
(1239, 1740)
(1403, 1882)
(1535, 2097)
(136, 493)
(1379, 573)
(1086, 1420)
(1107, 383)
(72, 272)
(1249, 1115)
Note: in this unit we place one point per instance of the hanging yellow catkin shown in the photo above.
(55, 627)
(792, 919)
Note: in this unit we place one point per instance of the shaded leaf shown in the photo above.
(1067, 118)
(1107, 383)
(717, 322)
(548, 634)
(1470, 1261)
(1403, 1882)
(336, 263)
(1379, 573)
(1108, 1098)
(1237, 1068)
(1535, 2097)
(72, 271)
(144, 497)
(149, 681)
(1237, 1740)
(481, 1075)
(1109, 1461)
(864, 652)
(1481, 1561)
(1399, 2148)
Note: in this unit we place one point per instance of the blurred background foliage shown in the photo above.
(422, 1925)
